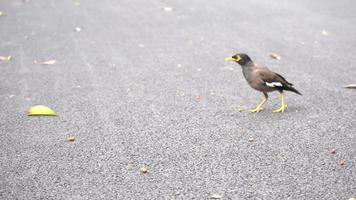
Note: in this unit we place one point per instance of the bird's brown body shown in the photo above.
(262, 79)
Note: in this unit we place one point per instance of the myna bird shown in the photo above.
(263, 80)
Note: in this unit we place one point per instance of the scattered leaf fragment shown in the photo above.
(333, 151)
(324, 32)
(251, 139)
(215, 196)
(351, 86)
(275, 56)
(240, 109)
(1, 13)
(342, 162)
(71, 139)
(144, 169)
(199, 98)
(40, 110)
(48, 62)
(5, 58)
(167, 9)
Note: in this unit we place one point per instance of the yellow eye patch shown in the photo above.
(237, 58)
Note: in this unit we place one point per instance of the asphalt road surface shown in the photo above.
(144, 83)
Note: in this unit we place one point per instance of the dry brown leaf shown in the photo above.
(5, 58)
(143, 169)
(333, 151)
(353, 86)
(199, 98)
(275, 56)
(342, 162)
(71, 139)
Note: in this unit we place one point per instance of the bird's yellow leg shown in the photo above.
(260, 106)
(283, 106)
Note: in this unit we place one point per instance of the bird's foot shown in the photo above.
(257, 109)
(281, 109)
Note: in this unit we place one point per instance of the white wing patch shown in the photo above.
(274, 84)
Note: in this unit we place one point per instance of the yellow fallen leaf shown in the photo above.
(5, 58)
(350, 86)
(41, 111)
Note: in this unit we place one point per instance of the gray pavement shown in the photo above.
(140, 85)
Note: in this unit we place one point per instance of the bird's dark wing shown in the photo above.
(274, 80)
(280, 76)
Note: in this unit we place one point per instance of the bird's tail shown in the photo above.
(291, 88)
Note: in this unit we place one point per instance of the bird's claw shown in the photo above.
(256, 110)
(281, 109)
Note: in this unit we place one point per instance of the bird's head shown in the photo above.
(241, 58)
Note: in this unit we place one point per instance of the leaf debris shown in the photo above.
(333, 151)
(215, 196)
(71, 139)
(5, 58)
(350, 86)
(144, 169)
(275, 56)
(324, 32)
(48, 62)
(167, 8)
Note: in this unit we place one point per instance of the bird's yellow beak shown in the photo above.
(229, 59)
(233, 59)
